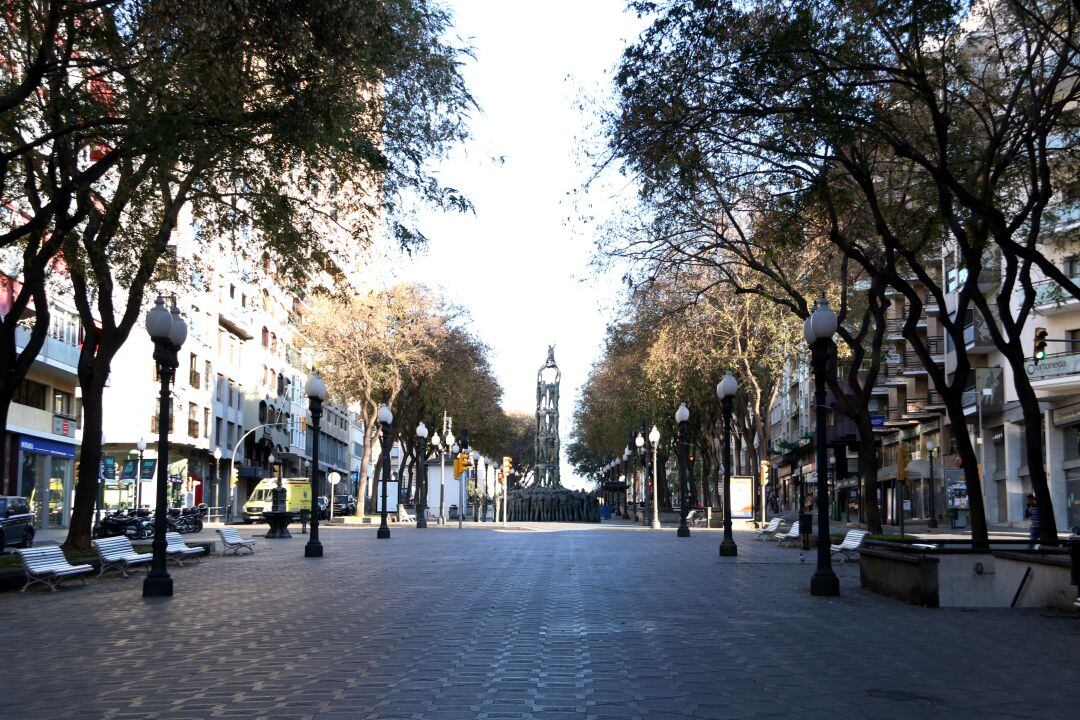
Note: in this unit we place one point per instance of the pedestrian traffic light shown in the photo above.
(1040, 344)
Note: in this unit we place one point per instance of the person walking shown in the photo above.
(1031, 512)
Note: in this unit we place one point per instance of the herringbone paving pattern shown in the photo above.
(582, 623)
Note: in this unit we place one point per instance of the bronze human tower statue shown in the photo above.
(547, 422)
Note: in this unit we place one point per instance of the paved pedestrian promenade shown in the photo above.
(610, 622)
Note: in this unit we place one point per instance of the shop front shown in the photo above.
(46, 476)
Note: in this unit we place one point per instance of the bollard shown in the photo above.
(806, 528)
(304, 514)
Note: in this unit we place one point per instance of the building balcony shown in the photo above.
(237, 319)
(1051, 299)
(989, 275)
(54, 353)
(987, 390)
(892, 371)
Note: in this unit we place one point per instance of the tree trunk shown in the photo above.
(92, 380)
(1033, 438)
(868, 471)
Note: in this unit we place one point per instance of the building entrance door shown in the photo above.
(1002, 501)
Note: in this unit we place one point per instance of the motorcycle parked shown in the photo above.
(135, 524)
(187, 520)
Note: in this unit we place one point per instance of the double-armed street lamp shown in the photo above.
(682, 415)
(818, 330)
(385, 418)
(931, 446)
(217, 473)
(654, 439)
(315, 389)
(421, 476)
(168, 332)
(725, 390)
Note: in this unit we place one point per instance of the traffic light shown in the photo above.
(1040, 344)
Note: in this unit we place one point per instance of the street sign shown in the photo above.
(334, 477)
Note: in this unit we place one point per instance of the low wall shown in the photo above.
(1047, 586)
(908, 577)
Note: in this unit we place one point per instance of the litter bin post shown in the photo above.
(304, 515)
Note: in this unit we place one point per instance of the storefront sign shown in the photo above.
(1054, 366)
(877, 421)
(46, 447)
(1067, 415)
(63, 426)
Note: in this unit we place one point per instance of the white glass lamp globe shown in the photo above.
(682, 414)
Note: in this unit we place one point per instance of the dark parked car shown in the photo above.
(16, 522)
(344, 505)
(324, 507)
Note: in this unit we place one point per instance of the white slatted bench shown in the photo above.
(770, 529)
(176, 549)
(117, 552)
(48, 566)
(232, 542)
(852, 541)
(791, 536)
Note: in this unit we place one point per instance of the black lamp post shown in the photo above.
(421, 476)
(725, 390)
(315, 389)
(654, 440)
(931, 446)
(818, 330)
(168, 331)
(681, 416)
(385, 418)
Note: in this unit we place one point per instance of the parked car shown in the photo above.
(16, 522)
(344, 505)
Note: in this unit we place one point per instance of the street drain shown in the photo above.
(902, 695)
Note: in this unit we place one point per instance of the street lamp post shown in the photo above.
(217, 473)
(818, 330)
(725, 390)
(639, 447)
(315, 389)
(421, 476)
(626, 498)
(475, 456)
(385, 418)
(931, 446)
(141, 445)
(654, 438)
(631, 479)
(681, 416)
(450, 443)
(168, 331)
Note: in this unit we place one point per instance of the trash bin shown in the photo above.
(806, 528)
(305, 515)
(453, 512)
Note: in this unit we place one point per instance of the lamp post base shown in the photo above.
(157, 586)
(383, 533)
(655, 525)
(421, 521)
(728, 548)
(442, 520)
(825, 584)
(932, 523)
(313, 549)
(683, 531)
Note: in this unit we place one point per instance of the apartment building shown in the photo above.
(43, 426)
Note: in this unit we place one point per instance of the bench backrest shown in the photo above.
(774, 524)
(230, 534)
(114, 547)
(854, 538)
(794, 529)
(174, 538)
(36, 559)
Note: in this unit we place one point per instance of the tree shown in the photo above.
(299, 131)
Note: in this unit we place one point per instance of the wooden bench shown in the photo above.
(791, 536)
(176, 549)
(853, 540)
(770, 529)
(117, 552)
(232, 542)
(48, 566)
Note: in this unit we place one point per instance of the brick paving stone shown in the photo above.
(542, 622)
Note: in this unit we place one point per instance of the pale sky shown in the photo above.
(519, 264)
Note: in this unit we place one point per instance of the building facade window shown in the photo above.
(31, 394)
